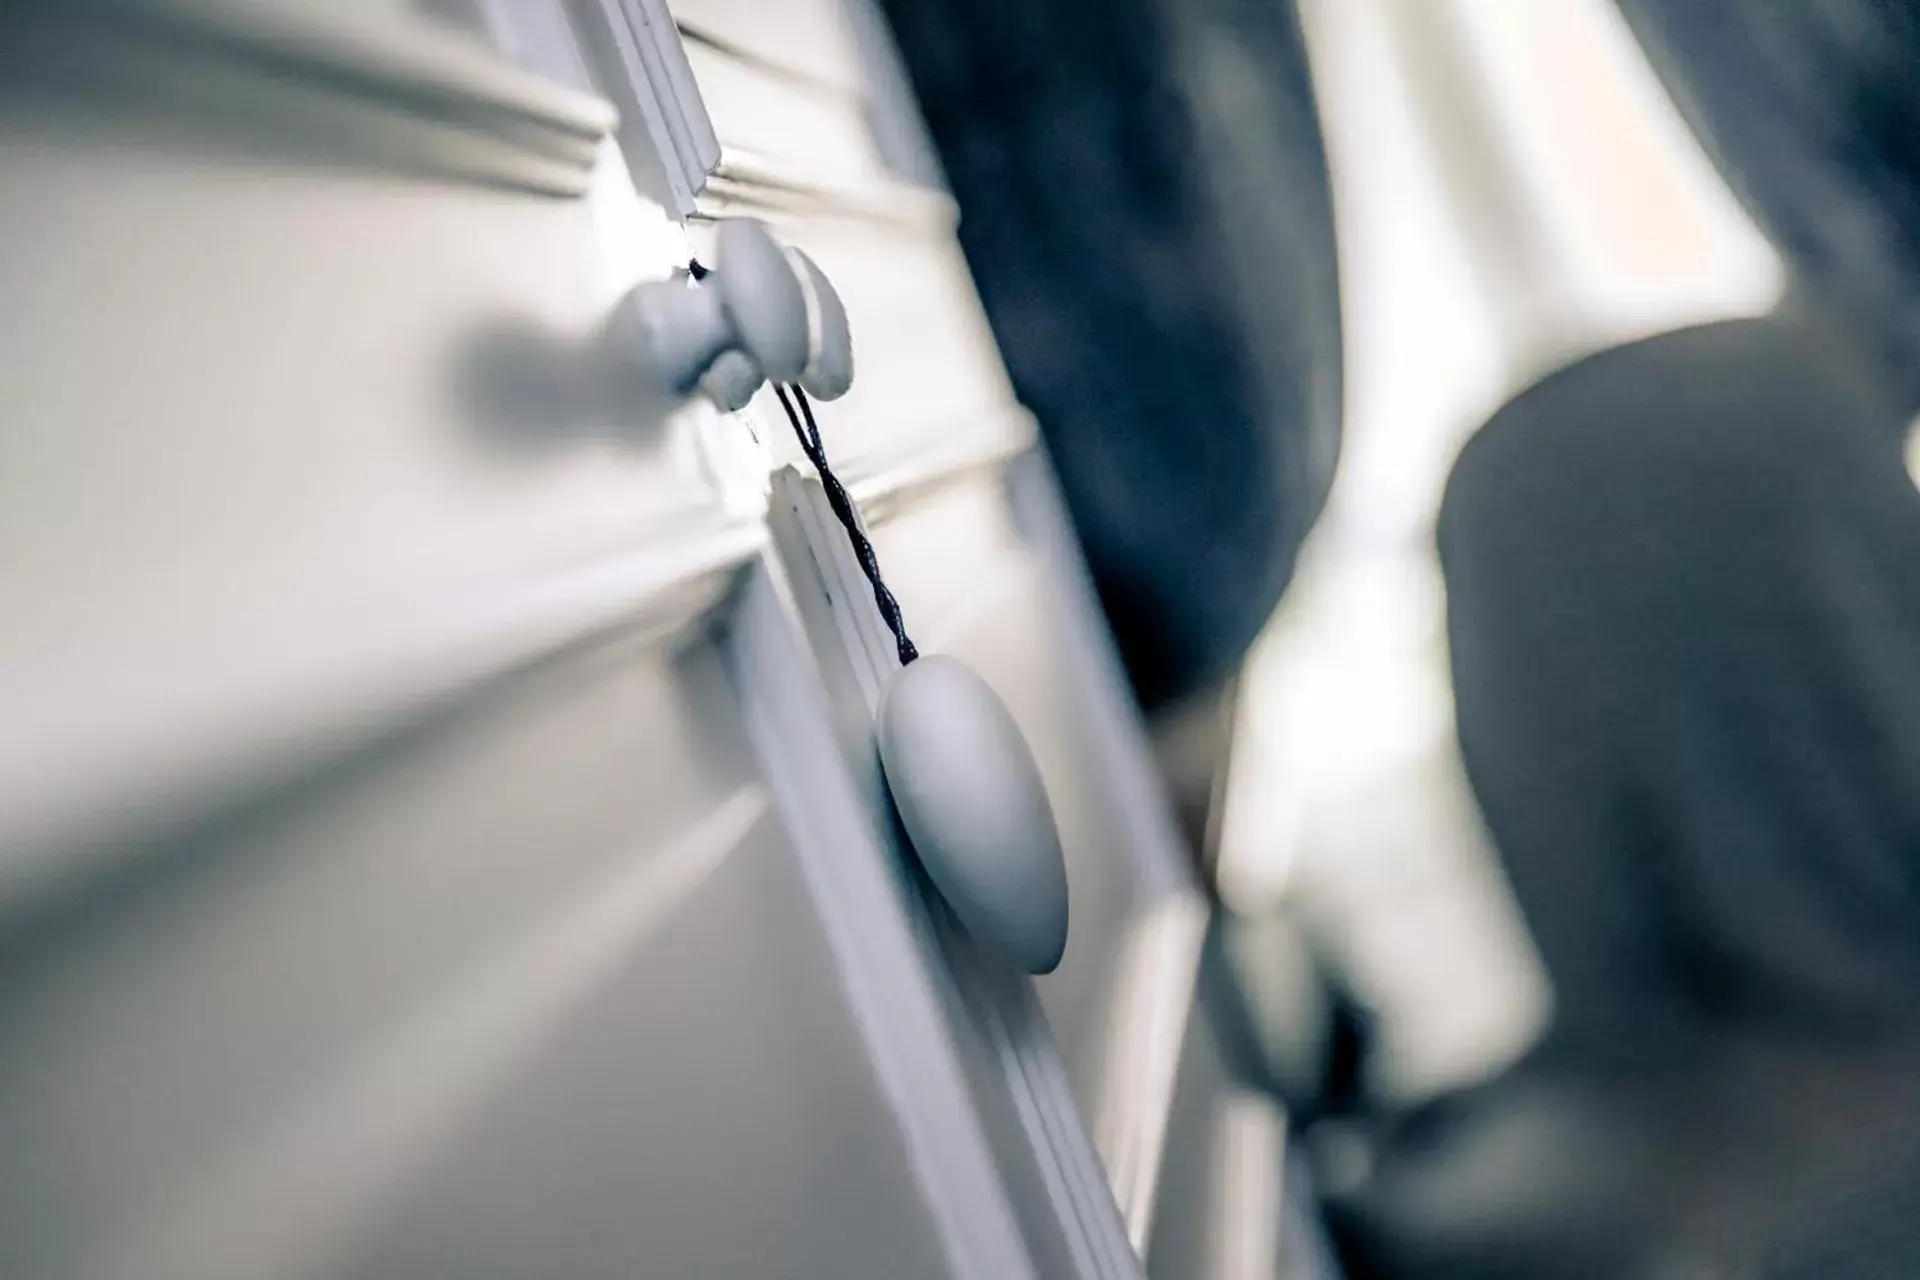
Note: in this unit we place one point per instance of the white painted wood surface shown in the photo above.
(402, 869)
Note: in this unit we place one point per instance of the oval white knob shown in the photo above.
(752, 302)
(973, 804)
(829, 371)
(763, 298)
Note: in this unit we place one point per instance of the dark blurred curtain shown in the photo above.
(1812, 111)
(1144, 205)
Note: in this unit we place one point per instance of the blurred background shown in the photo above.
(1513, 189)
(1265, 273)
(1224, 245)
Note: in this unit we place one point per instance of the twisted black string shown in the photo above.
(816, 451)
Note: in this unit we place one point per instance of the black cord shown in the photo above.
(816, 451)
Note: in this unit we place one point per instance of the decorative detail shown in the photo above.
(843, 511)
(970, 797)
(402, 91)
(963, 780)
(744, 181)
(665, 133)
(733, 378)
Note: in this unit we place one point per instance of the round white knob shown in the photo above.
(829, 370)
(973, 804)
(752, 302)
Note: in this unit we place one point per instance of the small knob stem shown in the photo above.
(683, 329)
(752, 302)
(731, 382)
